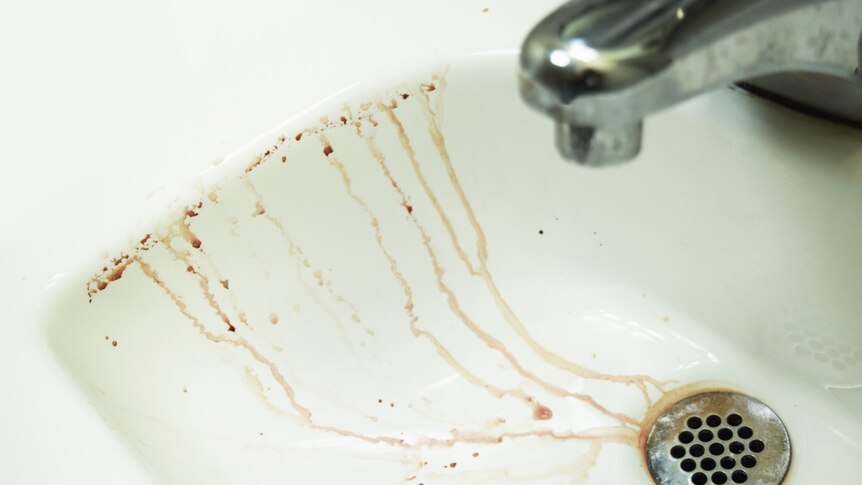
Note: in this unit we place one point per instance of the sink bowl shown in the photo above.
(407, 285)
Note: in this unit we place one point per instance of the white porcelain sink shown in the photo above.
(409, 286)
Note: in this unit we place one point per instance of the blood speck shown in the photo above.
(113, 343)
(225, 283)
(542, 413)
(405, 96)
(283, 158)
(230, 327)
(190, 269)
(327, 150)
(196, 243)
(191, 213)
(102, 285)
(273, 318)
(431, 87)
(343, 120)
(298, 136)
(266, 153)
(145, 239)
(106, 337)
(453, 465)
(409, 208)
(475, 454)
(200, 204)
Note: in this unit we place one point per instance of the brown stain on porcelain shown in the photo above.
(453, 301)
(628, 430)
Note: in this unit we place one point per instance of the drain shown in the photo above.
(718, 438)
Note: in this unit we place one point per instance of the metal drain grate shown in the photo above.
(718, 438)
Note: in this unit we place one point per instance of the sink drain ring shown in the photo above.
(718, 438)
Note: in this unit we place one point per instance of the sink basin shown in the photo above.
(407, 285)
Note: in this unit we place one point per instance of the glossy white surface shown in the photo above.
(725, 253)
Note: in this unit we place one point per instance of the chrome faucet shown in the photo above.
(598, 67)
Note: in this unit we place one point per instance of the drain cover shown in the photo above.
(718, 438)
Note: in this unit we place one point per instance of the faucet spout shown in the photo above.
(599, 67)
(599, 146)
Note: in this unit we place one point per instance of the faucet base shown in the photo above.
(833, 98)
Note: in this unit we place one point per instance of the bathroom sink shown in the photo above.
(409, 286)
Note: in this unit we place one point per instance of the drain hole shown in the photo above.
(715, 445)
(756, 446)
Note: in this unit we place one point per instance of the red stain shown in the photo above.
(102, 285)
(542, 413)
(327, 150)
(196, 243)
(343, 120)
(283, 159)
(409, 208)
(405, 96)
(298, 136)
(113, 343)
(225, 283)
(191, 213)
(117, 273)
(190, 269)
(453, 465)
